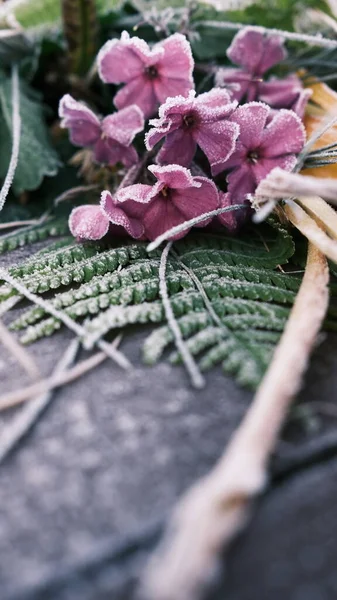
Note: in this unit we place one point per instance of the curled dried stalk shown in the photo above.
(212, 513)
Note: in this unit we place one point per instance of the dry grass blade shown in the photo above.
(20, 354)
(18, 396)
(28, 416)
(217, 507)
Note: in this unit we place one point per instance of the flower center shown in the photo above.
(165, 191)
(151, 72)
(189, 121)
(253, 157)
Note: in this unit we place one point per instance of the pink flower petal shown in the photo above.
(235, 81)
(251, 118)
(120, 61)
(88, 222)
(179, 148)
(177, 61)
(265, 165)
(160, 216)
(238, 157)
(193, 202)
(139, 91)
(174, 176)
(214, 99)
(165, 88)
(300, 104)
(214, 105)
(230, 220)
(124, 124)
(120, 214)
(110, 152)
(257, 52)
(241, 182)
(285, 134)
(280, 93)
(217, 140)
(139, 193)
(83, 124)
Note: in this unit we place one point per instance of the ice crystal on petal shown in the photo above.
(186, 123)
(264, 143)
(150, 75)
(176, 197)
(88, 222)
(110, 138)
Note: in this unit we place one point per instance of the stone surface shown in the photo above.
(84, 496)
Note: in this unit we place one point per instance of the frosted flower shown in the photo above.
(110, 138)
(150, 75)
(186, 123)
(88, 222)
(148, 211)
(256, 52)
(285, 93)
(263, 144)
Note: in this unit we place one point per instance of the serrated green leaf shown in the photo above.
(37, 157)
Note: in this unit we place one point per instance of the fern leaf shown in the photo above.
(227, 296)
(35, 233)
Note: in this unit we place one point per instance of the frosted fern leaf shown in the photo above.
(228, 296)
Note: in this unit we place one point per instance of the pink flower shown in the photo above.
(285, 93)
(88, 222)
(110, 138)
(255, 53)
(148, 211)
(150, 75)
(186, 123)
(262, 145)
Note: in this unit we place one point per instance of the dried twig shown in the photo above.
(217, 507)
(280, 184)
(18, 396)
(308, 226)
(28, 416)
(312, 40)
(8, 340)
(197, 379)
(11, 224)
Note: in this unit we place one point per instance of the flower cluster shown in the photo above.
(238, 131)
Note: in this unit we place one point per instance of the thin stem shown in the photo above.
(18, 396)
(312, 40)
(8, 340)
(190, 223)
(109, 350)
(310, 229)
(29, 415)
(212, 513)
(16, 129)
(191, 366)
(11, 224)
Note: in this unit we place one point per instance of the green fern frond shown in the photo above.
(33, 234)
(230, 301)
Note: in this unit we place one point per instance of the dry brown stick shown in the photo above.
(20, 354)
(217, 507)
(310, 229)
(11, 224)
(18, 396)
